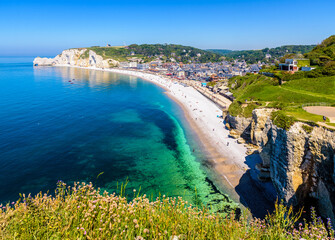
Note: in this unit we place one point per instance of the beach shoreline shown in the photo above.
(226, 157)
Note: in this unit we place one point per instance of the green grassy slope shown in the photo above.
(323, 52)
(261, 91)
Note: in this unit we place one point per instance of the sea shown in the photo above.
(80, 125)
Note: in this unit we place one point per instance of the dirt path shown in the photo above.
(325, 125)
(329, 112)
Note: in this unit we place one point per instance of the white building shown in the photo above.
(133, 64)
(124, 64)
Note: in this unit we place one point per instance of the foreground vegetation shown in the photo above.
(81, 212)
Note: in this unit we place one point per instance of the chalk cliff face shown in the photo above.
(77, 57)
(301, 160)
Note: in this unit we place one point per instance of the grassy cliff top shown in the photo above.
(253, 91)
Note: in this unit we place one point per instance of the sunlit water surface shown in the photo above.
(55, 128)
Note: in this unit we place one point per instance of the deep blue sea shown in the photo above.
(70, 124)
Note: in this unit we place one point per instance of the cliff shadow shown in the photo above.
(256, 195)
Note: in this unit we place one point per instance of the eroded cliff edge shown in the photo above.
(300, 161)
(77, 57)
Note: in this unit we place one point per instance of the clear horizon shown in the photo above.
(39, 28)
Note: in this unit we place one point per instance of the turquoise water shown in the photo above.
(55, 128)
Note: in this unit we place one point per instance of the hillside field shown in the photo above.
(260, 91)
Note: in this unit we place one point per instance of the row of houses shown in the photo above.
(196, 71)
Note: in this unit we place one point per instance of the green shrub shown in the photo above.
(211, 84)
(235, 109)
(280, 119)
(247, 111)
(308, 129)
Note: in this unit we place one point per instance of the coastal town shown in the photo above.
(211, 79)
(197, 71)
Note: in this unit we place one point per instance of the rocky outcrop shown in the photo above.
(77, 57)
(240, 125)
(258, 124)
(300, 160)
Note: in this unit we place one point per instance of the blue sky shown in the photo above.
(45, 28)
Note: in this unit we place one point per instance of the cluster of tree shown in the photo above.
(253, 56)
(166, 52)
(180, 53)
(323, 53)
(220, 51)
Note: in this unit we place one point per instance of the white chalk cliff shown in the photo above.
(301, 160)
(77, 57)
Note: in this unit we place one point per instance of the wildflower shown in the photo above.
(85, 233)
(137, 226)
(146, 230)
(135, 220)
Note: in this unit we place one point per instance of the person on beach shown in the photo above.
(227, 143)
